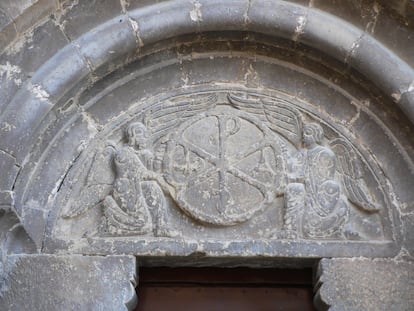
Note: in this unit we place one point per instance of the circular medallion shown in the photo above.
(224, 166)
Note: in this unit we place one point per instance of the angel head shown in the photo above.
(312, 134)
(137, 135)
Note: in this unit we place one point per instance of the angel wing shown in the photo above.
(349, 168)
(285, 119)
(99, 181)
(250, 105)
(279, 115)
(164, 117)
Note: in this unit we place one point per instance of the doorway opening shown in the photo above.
(224, 289)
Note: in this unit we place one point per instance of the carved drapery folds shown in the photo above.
(204, 162)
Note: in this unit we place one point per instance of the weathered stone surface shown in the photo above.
(365, 284)
(25, 13)
(408, 230)
(178, 132)
(9, 171)
(30, 54)
(7, 30)
(219, 164)
(78, 17)
(46, 282)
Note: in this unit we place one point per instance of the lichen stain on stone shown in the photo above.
(195, 13)
(11, 72)
(39, 92)
(20, 43)
(7, 127)
(396, 97)
(300, 27)
(411, 87)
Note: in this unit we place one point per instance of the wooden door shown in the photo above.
(222, 289)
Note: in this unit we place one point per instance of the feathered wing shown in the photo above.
(164, 117)
(284, 119)
(278, 114)
(167, 115)
(349, 168)
(99, 182)
(250, 105)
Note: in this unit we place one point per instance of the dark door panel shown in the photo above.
(215, 289)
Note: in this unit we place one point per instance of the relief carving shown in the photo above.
(322, 181)
(221, 160)
(134, 189)
(224, 166)
(316, 193)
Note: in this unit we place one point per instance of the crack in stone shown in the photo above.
(354, 47)
(133, 23)
(72, 43)
(124, 5)
(356, 116)
(86, 61)
(370, 28)
(57, 22)
(60, 12)
(135, 27)
(63, 178)
(95, 127)
(246, 14)
(10, 155)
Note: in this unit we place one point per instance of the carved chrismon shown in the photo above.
(222, 159)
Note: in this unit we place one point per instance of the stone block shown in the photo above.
(109, 46)
(9, 171)
(378, 63)
(15, 7)
(6, 200)
(10, 81)
(7, 30)
(397, 37)
(408, 233)
(33, 13)
(152, 25)
(47, 282)
(365, 284)
(82, 16)
(322, 31)
(19, 120)
(210, 15)
(281, 21)
(135, 4)
(32, 54)
(360, 13)
(62, 72)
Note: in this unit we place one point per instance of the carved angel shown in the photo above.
(123, 180)
(128, 191)
(327, 209)
(321, 180)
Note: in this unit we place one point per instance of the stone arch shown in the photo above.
(51, 122)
